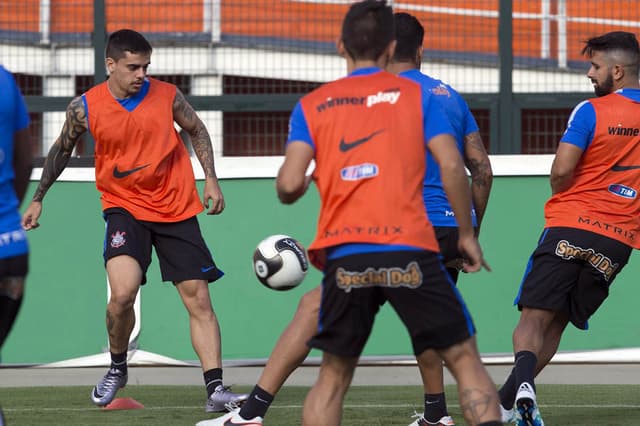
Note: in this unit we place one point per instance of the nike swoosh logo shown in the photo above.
(124, 173)
(618, 168)
(247, 423)
(346, 146)
(207, 269)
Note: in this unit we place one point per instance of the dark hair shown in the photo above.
(126, 40)
(367, 29)
(409, 37)
(622, 41)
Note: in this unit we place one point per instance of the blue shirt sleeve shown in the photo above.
(581, 126)
(298, 128)
(435, 120)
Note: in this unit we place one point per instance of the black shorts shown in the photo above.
(413, 282)
(571, 271)
(16, 266)
(182, 253)
(448, 241)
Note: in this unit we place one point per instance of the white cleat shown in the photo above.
(232, 418)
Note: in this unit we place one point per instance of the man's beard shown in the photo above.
(605, 88)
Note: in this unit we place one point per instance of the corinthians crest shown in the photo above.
(117, 239)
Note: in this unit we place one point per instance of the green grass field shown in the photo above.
(564, 405)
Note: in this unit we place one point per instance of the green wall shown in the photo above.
(64, 306)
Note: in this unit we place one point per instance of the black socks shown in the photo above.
(524, 370)
(119, 362)
(212, 379)
(257, 404)
(435, 407)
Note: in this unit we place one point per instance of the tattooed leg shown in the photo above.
(477, 392)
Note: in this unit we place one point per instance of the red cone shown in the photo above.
(123, 404)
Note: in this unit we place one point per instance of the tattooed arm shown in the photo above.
(74, 126)
(477, 161)
(189, 121)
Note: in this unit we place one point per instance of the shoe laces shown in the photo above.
(231, 406)
(113, 375)
(421, 420)
(111, 378)
(221, 389)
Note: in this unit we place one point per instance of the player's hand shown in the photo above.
(473, 258)
(213, 194)
(31, 215)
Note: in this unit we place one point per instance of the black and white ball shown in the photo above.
(280, 262)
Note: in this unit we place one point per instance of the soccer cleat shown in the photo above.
(230, 419)
(508, 416)
(222, 399)
(1, 418)
(104, 392)
(445, 421)
(421, 421)
(526, 407)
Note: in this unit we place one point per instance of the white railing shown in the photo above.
(545, 16)
(212, 20)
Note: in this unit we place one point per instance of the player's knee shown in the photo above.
(336, 376)
(199, 307)
(310, 303)
(461, 353)
(533, 322)
(121, 301)
(429, 359)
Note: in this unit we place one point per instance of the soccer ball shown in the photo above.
(280, 262)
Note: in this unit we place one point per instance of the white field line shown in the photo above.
(299, 406)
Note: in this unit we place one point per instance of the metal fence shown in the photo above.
(244, 63)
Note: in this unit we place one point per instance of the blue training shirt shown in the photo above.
(13, 118)
(582, 121)
(129, 103)
(460, 117)
(433, 125)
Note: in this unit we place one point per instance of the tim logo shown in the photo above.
(622, 191)
(410, 276)
(117, 239)
(361, 171)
